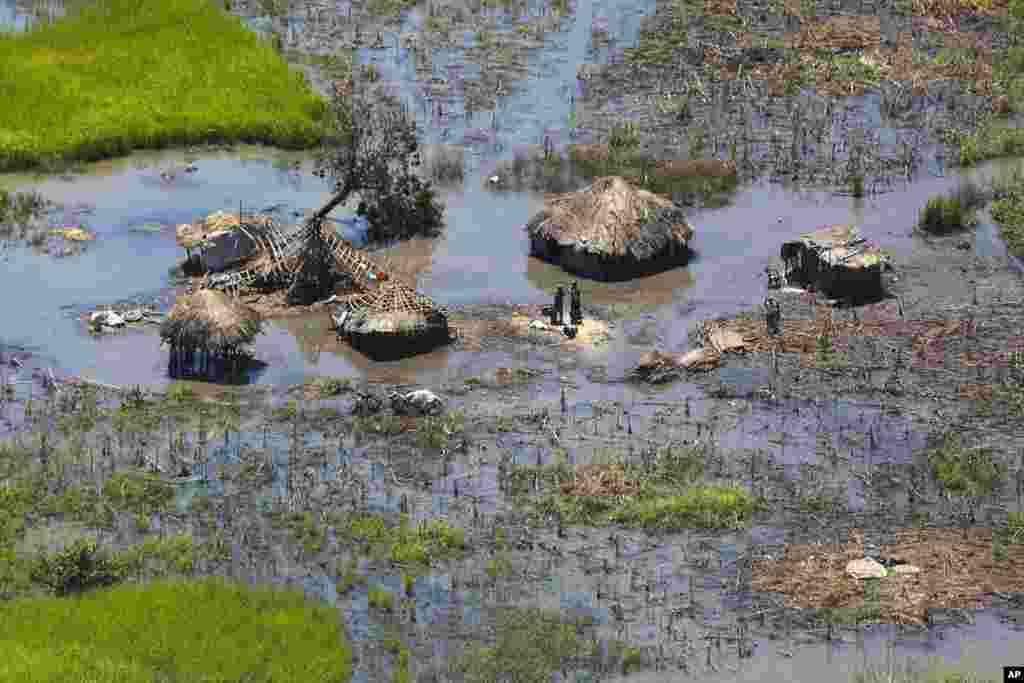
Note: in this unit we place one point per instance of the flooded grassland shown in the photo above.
(611, 529)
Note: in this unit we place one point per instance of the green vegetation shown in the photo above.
(701, 506)
(403, 544)
(659, 47)
(437, 24)
(972, 473)
(946, 214)
(126, 74)
(162, 631)
(380, 598)
(669, 495)
(1008, 212)
(389, 8)
(530, 645)
(935, 672)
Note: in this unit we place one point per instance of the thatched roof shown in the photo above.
(612, 217)
(393, 322)
(842, 245)
(193, 235)
(394, 308)
(212, 320)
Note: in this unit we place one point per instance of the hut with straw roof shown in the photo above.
(838, 261)
(207, 331)
(221, 239)
(392, 322)
(610, 230)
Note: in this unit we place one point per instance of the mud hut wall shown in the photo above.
(812, 267)
(604, 268)
(226, 248)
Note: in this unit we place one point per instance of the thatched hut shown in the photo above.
(221, 239)
(207, 331)
(610, 230)
(837, 261)
(392, 322)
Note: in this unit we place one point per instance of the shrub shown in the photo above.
(81, 566)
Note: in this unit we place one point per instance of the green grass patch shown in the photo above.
(404, 544)
(530, 645)
(1008, 213)
(946, 214)
(935, 671)
(137, 491)
(388, 8)
(972, 473)
(126, 74)
(711, 506)
(379, 598)
(990, 141)
(208, 630)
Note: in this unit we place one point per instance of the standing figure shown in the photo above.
(556, 312)
(576, 310)
(773, 316)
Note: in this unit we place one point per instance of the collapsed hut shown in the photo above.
(221, 240)
(836, 260)
(207, 332)
(392, 322)
(610, 230)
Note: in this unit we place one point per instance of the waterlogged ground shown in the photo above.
(487, 81)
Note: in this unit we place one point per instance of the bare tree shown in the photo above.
(373, 153)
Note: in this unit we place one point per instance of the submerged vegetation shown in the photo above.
(124, 74)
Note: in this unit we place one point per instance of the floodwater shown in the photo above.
(482, 257)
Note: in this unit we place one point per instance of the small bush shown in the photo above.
(379, 598)
(946, 214)
(81, 566)
(970, 472)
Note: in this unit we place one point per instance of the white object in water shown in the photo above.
(494, 179)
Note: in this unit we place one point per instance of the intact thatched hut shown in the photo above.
(837, 261)
(206, 331)
(393, 322)
(221, 239)
(610, 230)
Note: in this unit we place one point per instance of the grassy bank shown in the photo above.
(165, 631)
(1008, 213)
(124, 74)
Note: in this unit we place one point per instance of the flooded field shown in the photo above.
(278, 479)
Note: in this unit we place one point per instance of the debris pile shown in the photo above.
(599, 480)
(920, 570)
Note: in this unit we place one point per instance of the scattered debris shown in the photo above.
(865, 568)
(598, 480)
(416, 403)
(74, 233)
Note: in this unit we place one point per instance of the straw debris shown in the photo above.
(957, 570)
(600, 480)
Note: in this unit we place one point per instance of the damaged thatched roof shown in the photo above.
(394, 308)
(194, 235)
(212, 320)
(842, 245)
(614, 218)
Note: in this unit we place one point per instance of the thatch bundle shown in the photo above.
(611, 230)
(696, 168)
(195, 235)
(211, 321)
(393, 321)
